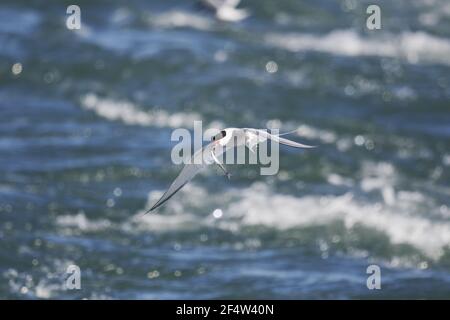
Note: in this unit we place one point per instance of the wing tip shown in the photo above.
(151, 209)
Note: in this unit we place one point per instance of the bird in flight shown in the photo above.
(226, 9)
(220, 143)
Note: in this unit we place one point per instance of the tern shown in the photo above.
(220, 143)
(226, 9)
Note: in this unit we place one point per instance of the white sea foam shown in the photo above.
(24, 283)
(395, 214)
(191, 196)
(178, 18)
(81, 222)
(413, 46)
(260, 206)
(446, 159)
(434, 12)
(129, 113)
(45, 290)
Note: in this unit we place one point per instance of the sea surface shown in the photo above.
(86, 118)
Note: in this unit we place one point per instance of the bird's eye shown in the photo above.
(214, 138)
(224, 133)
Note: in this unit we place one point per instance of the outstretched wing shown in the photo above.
(190, 170)
(187, 173)
(258, 135)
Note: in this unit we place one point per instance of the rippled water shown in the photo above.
(86, 119)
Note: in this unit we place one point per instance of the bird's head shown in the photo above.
(220, 135)
(225, 136)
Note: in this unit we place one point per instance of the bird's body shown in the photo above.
(225, 140)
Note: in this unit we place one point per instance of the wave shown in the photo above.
(260, 205)
(179, 19)
(19, 22)
(81, 222)
(397, 214)
(48, 286)
(415, 47)
(128, 113)
(434, 13)
(140, 44)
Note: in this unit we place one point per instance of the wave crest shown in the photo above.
(415, 47)
(130, 114)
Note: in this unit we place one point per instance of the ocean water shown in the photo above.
(86, 118)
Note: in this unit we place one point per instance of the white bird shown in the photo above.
(226, 9)
(225, 139)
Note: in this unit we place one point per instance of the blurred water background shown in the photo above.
(85, 123)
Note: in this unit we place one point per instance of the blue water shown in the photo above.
(86, 119)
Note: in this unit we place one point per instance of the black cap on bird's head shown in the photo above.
(220, 135)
